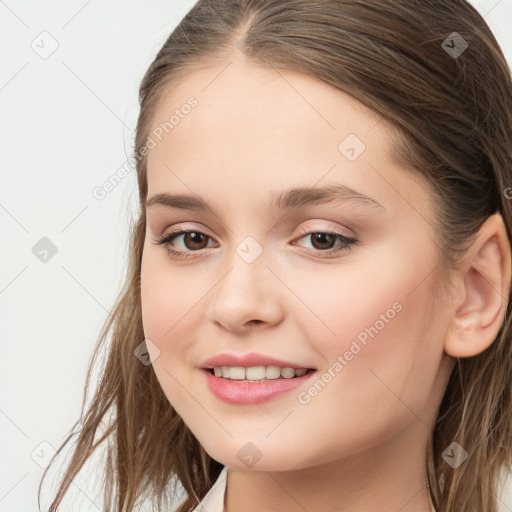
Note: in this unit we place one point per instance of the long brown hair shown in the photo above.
(449, 102)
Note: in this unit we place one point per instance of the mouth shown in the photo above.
(241, 385)
(258, 373)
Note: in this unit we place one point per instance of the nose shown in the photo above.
(248, 296)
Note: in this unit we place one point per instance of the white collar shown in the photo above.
(214, 500)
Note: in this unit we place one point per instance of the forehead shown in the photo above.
(266, 102)
(253, 129)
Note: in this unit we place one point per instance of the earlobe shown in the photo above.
(484, 283)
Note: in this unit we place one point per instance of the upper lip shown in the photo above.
(247, 360)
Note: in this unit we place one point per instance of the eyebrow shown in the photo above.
(292, 198)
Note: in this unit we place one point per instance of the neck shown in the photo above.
(388, 475)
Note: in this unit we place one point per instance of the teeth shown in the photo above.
(257, 372)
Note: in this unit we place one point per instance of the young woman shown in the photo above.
(316, 313)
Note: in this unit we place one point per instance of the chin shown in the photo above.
(250, 458)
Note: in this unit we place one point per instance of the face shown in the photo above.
(343, 287)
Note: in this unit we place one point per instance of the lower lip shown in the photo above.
(251, 392)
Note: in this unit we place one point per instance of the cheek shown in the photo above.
(173, 302)
(164, 303)
(167, 303)
(379, 338)
(380, 305)
(169, 297)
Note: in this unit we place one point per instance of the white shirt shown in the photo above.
(214, 500)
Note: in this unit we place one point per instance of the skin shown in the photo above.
(359, 444)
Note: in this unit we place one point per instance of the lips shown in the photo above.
(245, 392)
(252, 359)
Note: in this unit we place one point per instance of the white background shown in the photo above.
(67, 124)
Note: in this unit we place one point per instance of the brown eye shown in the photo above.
(323, 240)
(194, 240)
(183, 244)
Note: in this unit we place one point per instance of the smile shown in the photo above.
(258, 373)
(252, 390)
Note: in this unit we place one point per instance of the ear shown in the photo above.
(483, 284)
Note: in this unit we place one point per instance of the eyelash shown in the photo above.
(166, 238)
